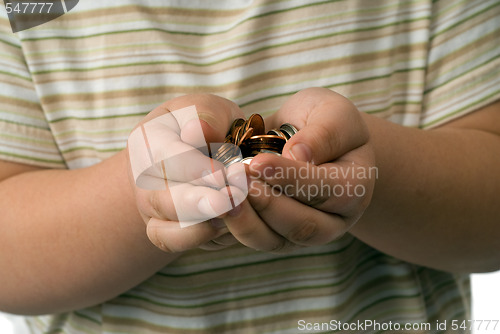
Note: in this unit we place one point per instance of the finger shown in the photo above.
(172, 139)
(221, 242)
(170, 237)
(193, 167)
(296, 222)
(184, 202)
(212, 245)
(215, 115)
(330, 126)
(342, 187)
(174, 158)
(226, 240)
(249, 229)
(236, 175)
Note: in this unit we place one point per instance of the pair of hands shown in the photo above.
(311, 195)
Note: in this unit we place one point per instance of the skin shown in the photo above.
(72, 240)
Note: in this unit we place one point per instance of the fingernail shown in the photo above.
(206, 208)
(300, 152)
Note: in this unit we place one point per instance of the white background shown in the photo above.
(486, 299)
(486, 304)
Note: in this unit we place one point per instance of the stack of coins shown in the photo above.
(249, 136)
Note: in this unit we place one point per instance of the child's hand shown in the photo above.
(177, 192)
(326, 177)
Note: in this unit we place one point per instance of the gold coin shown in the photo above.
(245, 136)
(237, 135)
(236, 125)
(256, 122)
(250, 136)
(267, 142)
(267, 138)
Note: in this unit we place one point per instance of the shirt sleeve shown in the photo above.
(463, 65)
(25, 135)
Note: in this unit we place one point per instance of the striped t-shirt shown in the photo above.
(72, 89)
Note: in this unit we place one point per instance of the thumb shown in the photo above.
(330, 126)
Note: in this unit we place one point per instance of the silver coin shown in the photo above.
(288, 129)
(232, 160)
(222, 150)
(276, 132)
(226, 152)
(269, 151)
(247, 160)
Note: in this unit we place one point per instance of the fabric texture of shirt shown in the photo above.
(71, 90)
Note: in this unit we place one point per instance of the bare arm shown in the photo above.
(75, 238)
(70, 239)
(436, 200)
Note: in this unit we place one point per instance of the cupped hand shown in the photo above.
(179, 190)
(321, 184)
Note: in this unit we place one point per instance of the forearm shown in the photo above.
(435, 201)
(71, 238)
